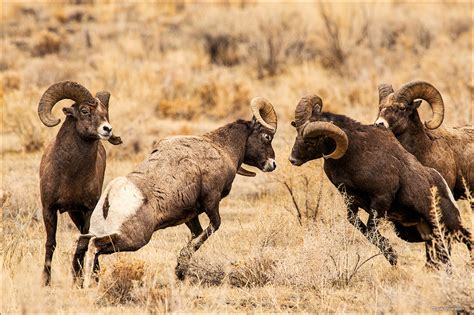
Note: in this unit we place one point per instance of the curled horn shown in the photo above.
(328, 129)
(264, 112)
(384, 91)
(423, 90)
(305, 108)
(59, 91)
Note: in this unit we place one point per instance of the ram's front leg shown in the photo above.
(374, 236)
(187, 252)
(194, 226)
(353, 217)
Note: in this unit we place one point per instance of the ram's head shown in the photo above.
(259, 151)
(311, 134)
(398, 109)
(90, 114)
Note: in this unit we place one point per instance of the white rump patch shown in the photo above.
(450, 194)
(123, 199)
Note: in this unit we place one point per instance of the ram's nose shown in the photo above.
(380, 122)
(270, 165)
(105, 130)
(294, 161)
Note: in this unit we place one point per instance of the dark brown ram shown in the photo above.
(448, 150)
(183, 177)
(73, 164)
(379, 176)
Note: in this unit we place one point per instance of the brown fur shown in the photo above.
(381, 177)
(72, 173)
(448, 150)
(183, 177)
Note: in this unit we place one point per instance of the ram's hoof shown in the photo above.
(180, 272)
(391, 257)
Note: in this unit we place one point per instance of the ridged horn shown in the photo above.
(59, 91)
(384, 91)
(320, 128)
(305, 108)
(425, 91)
(264, 112)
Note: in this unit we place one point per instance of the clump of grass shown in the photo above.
(222, 49)
(214, 98)
(117, 284)
(46, 43)
(11, 80)
(255, 271)
(27, 129)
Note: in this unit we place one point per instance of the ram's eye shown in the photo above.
(84, 111)
(310, 142)
(267, 137)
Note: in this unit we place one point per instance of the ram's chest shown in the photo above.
(77, 199)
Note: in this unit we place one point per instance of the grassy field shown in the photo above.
(186, 68)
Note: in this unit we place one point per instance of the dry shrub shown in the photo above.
(118, 285)
(255, 271)
(25, 126)
(158, 299)
(222, 49)
(305, 191)
(11, 80)
(46, 43)
(217, 99)
(278, 43)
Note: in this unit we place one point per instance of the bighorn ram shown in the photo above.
(73, 164)
(183, 177)
(379, 176)
(449, 151)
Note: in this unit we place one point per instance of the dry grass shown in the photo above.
(181, 68)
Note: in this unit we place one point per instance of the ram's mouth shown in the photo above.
(105, 136)
(295, 161)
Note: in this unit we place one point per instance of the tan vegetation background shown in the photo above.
(183, 68)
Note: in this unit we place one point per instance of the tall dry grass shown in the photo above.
(182, 68)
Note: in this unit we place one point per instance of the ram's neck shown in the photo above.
(72, 154)
(232, 138)
(414, 138)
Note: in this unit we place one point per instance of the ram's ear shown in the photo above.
(416, 103)
(68, 111)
